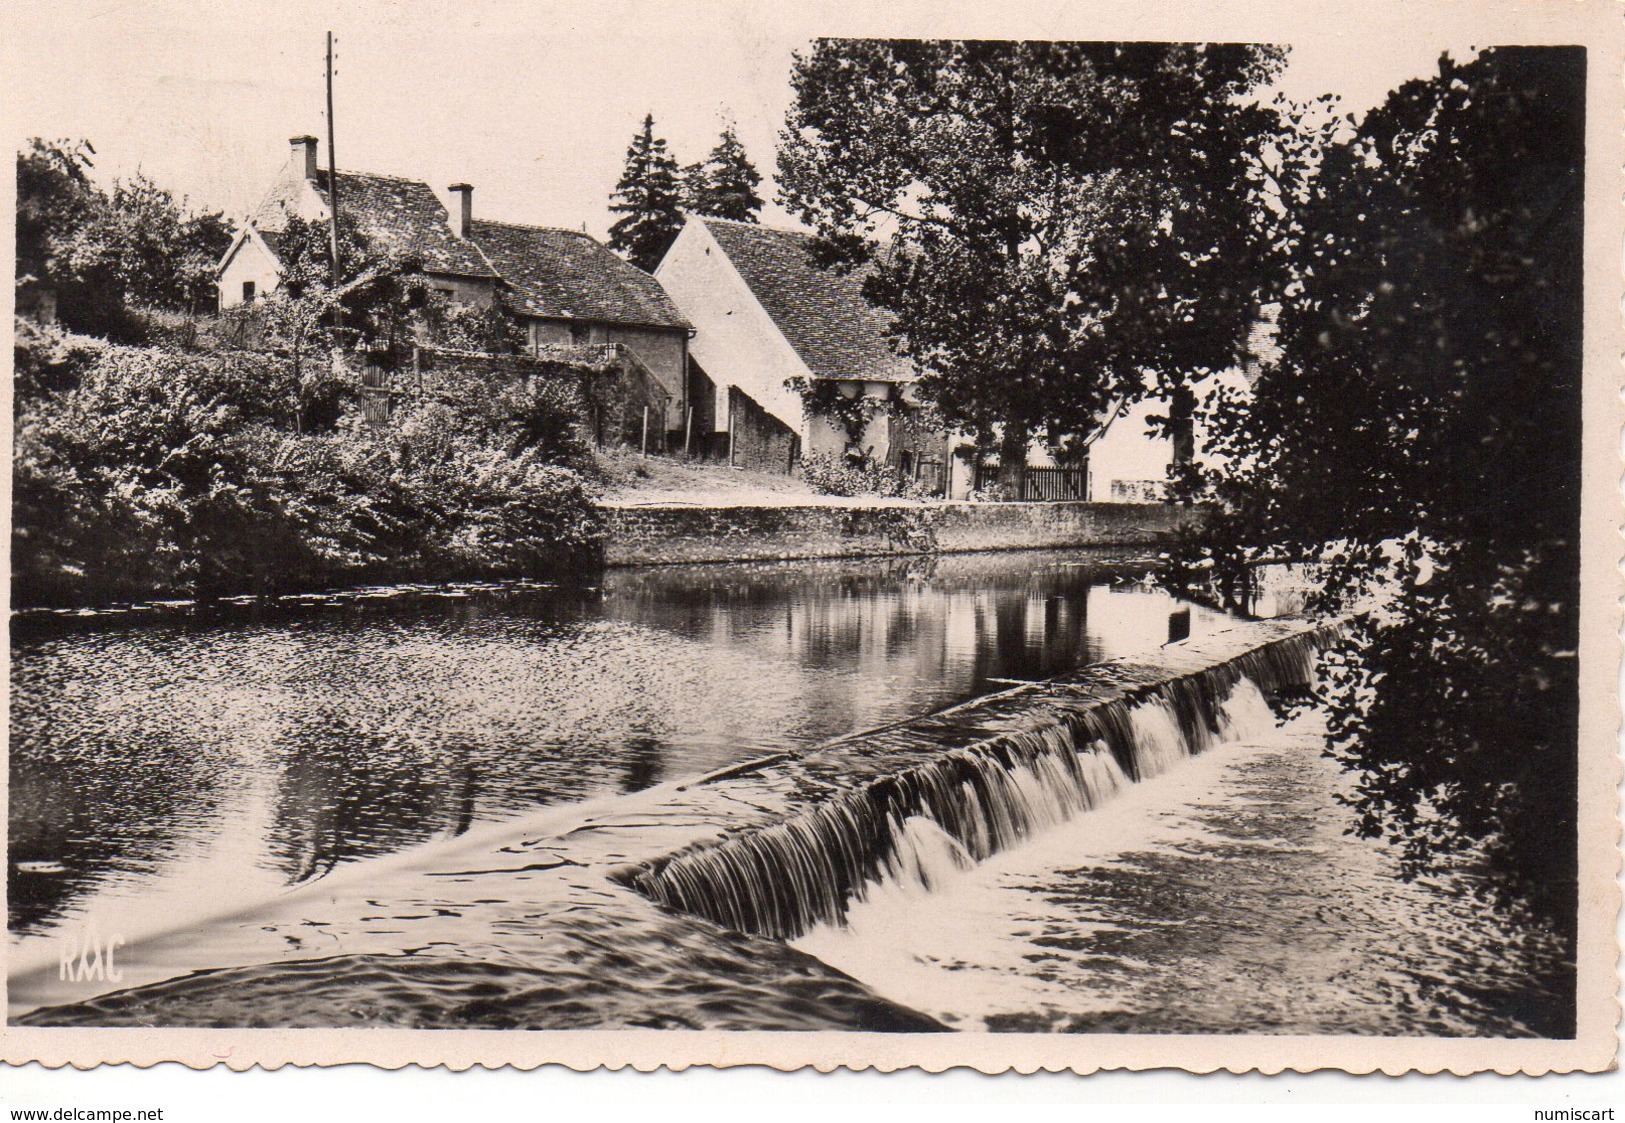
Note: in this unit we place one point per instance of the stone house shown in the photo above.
(569, 290)
(572, 291)
(398, 214)
(788, 359)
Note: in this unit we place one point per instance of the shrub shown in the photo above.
(141, 472)
(828, 475)
(47, 360)
(537, 413)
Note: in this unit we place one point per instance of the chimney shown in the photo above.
(304, 147)
(465, 192)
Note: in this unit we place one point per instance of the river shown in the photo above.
(156, 760)
(252, 788)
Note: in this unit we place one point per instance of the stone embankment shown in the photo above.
(644, 533)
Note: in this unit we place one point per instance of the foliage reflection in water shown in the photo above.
(195, 757)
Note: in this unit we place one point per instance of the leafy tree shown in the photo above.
(105, 252)
(649, 200)
(1420, 439)
(54, 193)
(1070, 225)
(56, 200)
(724, 185)
(165, 255)
(383, 302)
(293, 321)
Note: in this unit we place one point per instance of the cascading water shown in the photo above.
(926, 855)
(1159, 743)
(1246, 714)
(917, 826)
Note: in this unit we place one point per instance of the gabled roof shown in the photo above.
(247, 232)
(823, 314)
(272, 240)
(404, 215)
(565, 274)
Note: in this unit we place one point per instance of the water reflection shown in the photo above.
(198, 758)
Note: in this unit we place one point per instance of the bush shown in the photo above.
(830, 476)
(48, 360)
(141, 472)
(539, 413)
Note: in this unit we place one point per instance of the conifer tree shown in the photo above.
(724, 186)
(649, 200)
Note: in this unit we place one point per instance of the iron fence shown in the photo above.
(1040, 485)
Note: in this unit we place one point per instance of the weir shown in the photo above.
(976, 779)
(767, 851)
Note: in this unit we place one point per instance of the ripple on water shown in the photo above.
(243, 751)
(1223, 897)
(606, 969)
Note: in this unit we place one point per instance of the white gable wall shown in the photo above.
(291, 195)
(1129, 452)
(249, 262)
(735, 340)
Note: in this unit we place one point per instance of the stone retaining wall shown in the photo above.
(662, 535)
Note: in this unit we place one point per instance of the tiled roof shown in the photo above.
(273, 241)
(569, 275)
(823, 314)
(404, 215)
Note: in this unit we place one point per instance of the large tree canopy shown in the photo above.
(1065, 223)
(649, 199)
(1422, 429)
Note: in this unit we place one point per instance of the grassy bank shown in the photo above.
(208, 471)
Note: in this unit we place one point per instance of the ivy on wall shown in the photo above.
(822, 397)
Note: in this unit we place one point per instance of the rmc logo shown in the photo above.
(89, 957)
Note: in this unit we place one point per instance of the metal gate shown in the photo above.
(1041, 485)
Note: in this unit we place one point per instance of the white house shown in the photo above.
(775, 335)
(395, 213)
(767, 318)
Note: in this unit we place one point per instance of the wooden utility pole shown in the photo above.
(332, 181)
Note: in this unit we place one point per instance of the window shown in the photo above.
(449, 294)
(579, 334)
(248, 292)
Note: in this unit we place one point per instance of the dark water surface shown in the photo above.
(180, 758)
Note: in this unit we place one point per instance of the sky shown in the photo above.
(535, 103)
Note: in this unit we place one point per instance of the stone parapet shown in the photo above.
(658, 535)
